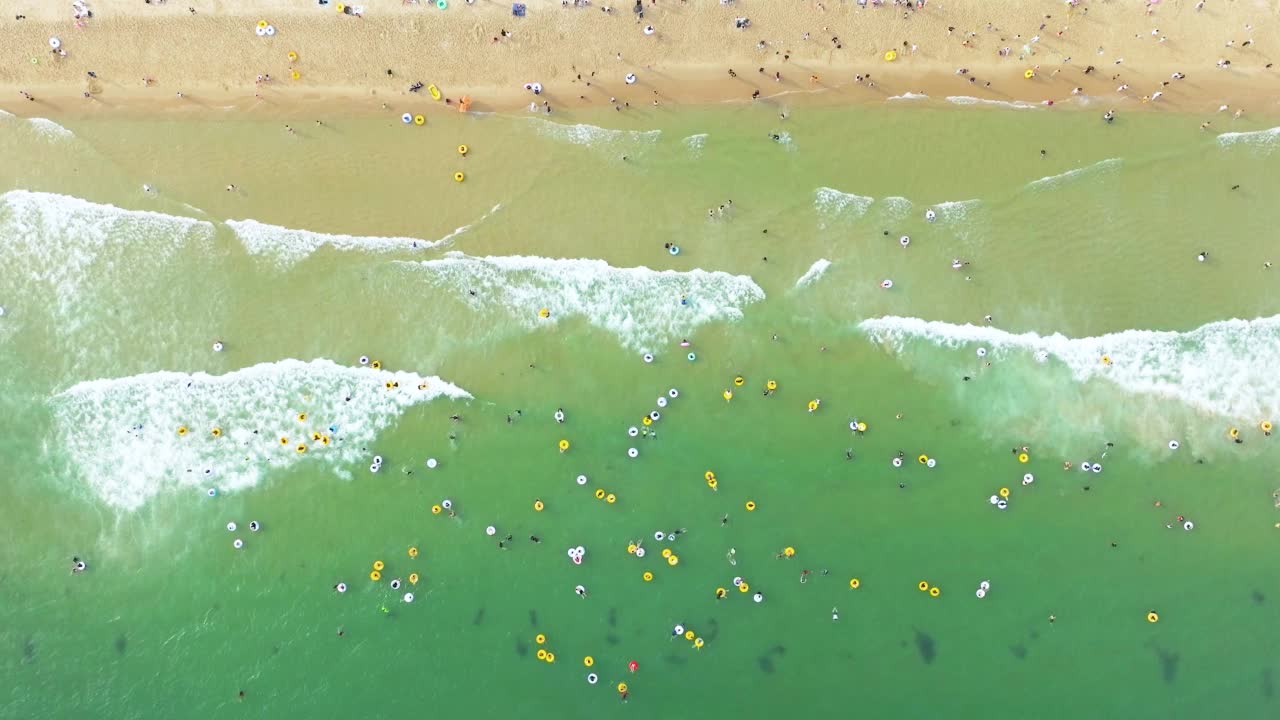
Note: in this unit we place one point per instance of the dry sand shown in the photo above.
(212, 58)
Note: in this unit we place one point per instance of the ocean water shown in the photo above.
(369, 305)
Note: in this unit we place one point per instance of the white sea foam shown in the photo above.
(62, 246)
(122, 437)
(1107, 165)
(833, 203)
(288, 246)
(6, 114)
(815, 271)
(50, 129)
(955, 210)
(1225, 368)
(966, 100)
(896, 207)
(1261, 138)
(593, 136)
(695, 143)
(642, 307)
(910, 96)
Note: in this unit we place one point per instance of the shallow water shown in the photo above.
(352, 239)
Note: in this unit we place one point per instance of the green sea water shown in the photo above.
(1108, 340)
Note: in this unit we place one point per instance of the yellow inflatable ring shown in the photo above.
(1023, 457)
(648, 576)
(419, 119)
(772, 385)
(342, 8)
(374, 575)
(924, 585)
(262, 24)
(463, 149)
(622, 687)
(537, 505)
(292, 56)
(737, 381)
(712, 483)
(302, 417)
(854, 583)
(284, 440)
(435, 509)
(697, 642)
(1106, 359)
(744, 587)
(376, 364)
(789, 551)
(923, 459)
(413, 552)
(324, 439)
(813, 405)
(295, 75)
(689, 635)
(1234, 433)
(459, 177)
(646, 421)
(890, 56)
(413, 578)
(751, 505)
(540, 638)
(599, 493)
(611, 498)
(666, 552)
(588, 661)
(182, 430)
(378, 565)
(862, 427)
(1004, 492)
(216, 432)
(934, 592)
(721, 592)
(542, 654)
(301, 448)
(728, 395)
(631, 548)
(1153, 617)
(544, 313)
(551, 657)
(1029, 73)
(1266, 426)
(709, 475)
(564, 445)
(673, 560)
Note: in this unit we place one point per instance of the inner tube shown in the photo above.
(1173, 445)
(674, 249)
(633, 453)
(582, 480)
(673, 393)
(648, 357)
(406, 118)
(633, 431)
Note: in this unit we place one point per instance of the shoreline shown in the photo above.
(342, 61)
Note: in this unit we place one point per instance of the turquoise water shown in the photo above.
(170, 620)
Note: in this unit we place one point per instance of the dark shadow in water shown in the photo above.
(522, 648)
(713, 630)
(612, 639)
(122, 644)
(29, 650)
(1258, 597)
(533, 618)
(1019, 651)
(613, 617)
(1268, 684)
(479, 618)
(766, 665)
(1168, 665)
(927, 647)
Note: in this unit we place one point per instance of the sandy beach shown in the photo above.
(197, 54)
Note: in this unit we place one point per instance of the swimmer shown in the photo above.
(1202, 256)
(732, 555)
(77, 565)
(581, 591)
(835, 614)
(1109, 116)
